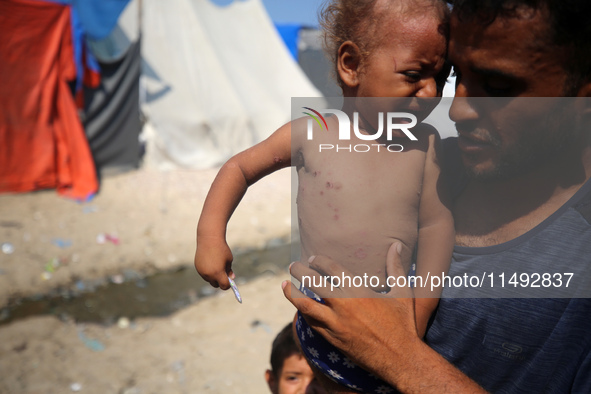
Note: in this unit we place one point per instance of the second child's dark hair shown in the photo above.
(283, 346)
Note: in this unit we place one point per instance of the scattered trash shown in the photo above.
(46, 276)
(80, 286)
(117, 279)
(61, 243)
(90, 209)
(93, 344)
(52, 265)
(104, 237)
(7, 248)
(75, 387)
(123, 322)
(257, 323)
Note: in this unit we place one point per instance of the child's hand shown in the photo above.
(213, 261)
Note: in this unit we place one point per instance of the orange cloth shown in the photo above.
(42, 142)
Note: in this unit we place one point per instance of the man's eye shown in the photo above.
(497, 87)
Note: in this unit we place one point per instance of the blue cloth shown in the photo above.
(290, 35)
(94, 19)
(331, 362)
(524, 345)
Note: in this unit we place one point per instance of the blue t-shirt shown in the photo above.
(523, 345)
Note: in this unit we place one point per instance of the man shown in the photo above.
(526, 203)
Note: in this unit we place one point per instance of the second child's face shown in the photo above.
(408, 61)
(297, 377)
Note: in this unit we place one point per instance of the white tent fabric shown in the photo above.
(216, 80)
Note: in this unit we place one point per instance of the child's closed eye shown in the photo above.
(412, 76)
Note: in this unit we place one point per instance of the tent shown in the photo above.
(214, 80)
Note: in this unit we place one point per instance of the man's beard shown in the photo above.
(529, 153)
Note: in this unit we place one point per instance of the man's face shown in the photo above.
(296, 377)
(504, 134)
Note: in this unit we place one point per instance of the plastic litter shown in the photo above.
(89, 209)
(61, 243)
(75, 387)
(52, 265)
(117, 279)
(103, 238)
(7, 248)
(93, 344)
(123, 322)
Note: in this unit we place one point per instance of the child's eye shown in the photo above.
(413, 76)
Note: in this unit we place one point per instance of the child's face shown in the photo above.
(296, 377)
(407, 62)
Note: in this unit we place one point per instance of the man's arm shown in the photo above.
(378, 331)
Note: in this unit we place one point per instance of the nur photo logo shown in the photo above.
(387, 123)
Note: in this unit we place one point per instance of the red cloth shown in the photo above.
(42, 142)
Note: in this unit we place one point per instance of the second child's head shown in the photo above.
(387, 48)
(290, 373)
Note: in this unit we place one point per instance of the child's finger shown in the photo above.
(223, 281)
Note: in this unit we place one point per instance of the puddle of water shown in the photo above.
(161, 294)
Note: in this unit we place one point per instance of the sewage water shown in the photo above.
(160, 294)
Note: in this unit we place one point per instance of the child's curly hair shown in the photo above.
(358, 21)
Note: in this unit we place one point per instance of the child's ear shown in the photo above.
(349, 63)
(271, 381)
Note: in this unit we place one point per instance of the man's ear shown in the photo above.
(349, 63)
(271, 381)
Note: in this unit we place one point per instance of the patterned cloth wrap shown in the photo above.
(328, 359)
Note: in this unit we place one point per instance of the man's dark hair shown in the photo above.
(570, 28)
(283, 346)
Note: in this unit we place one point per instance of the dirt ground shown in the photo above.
(143, 221)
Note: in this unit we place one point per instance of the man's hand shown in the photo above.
(213, 261)
(377, 332)
(367, 326)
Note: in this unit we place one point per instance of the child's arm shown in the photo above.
(436, 234)
(213, 258)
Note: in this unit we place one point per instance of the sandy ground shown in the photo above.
(212, 346)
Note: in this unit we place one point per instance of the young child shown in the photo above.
(352, 206)
(290, 372)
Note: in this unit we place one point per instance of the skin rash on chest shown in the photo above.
(353, 205)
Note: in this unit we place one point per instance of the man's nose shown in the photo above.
(462, 108)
